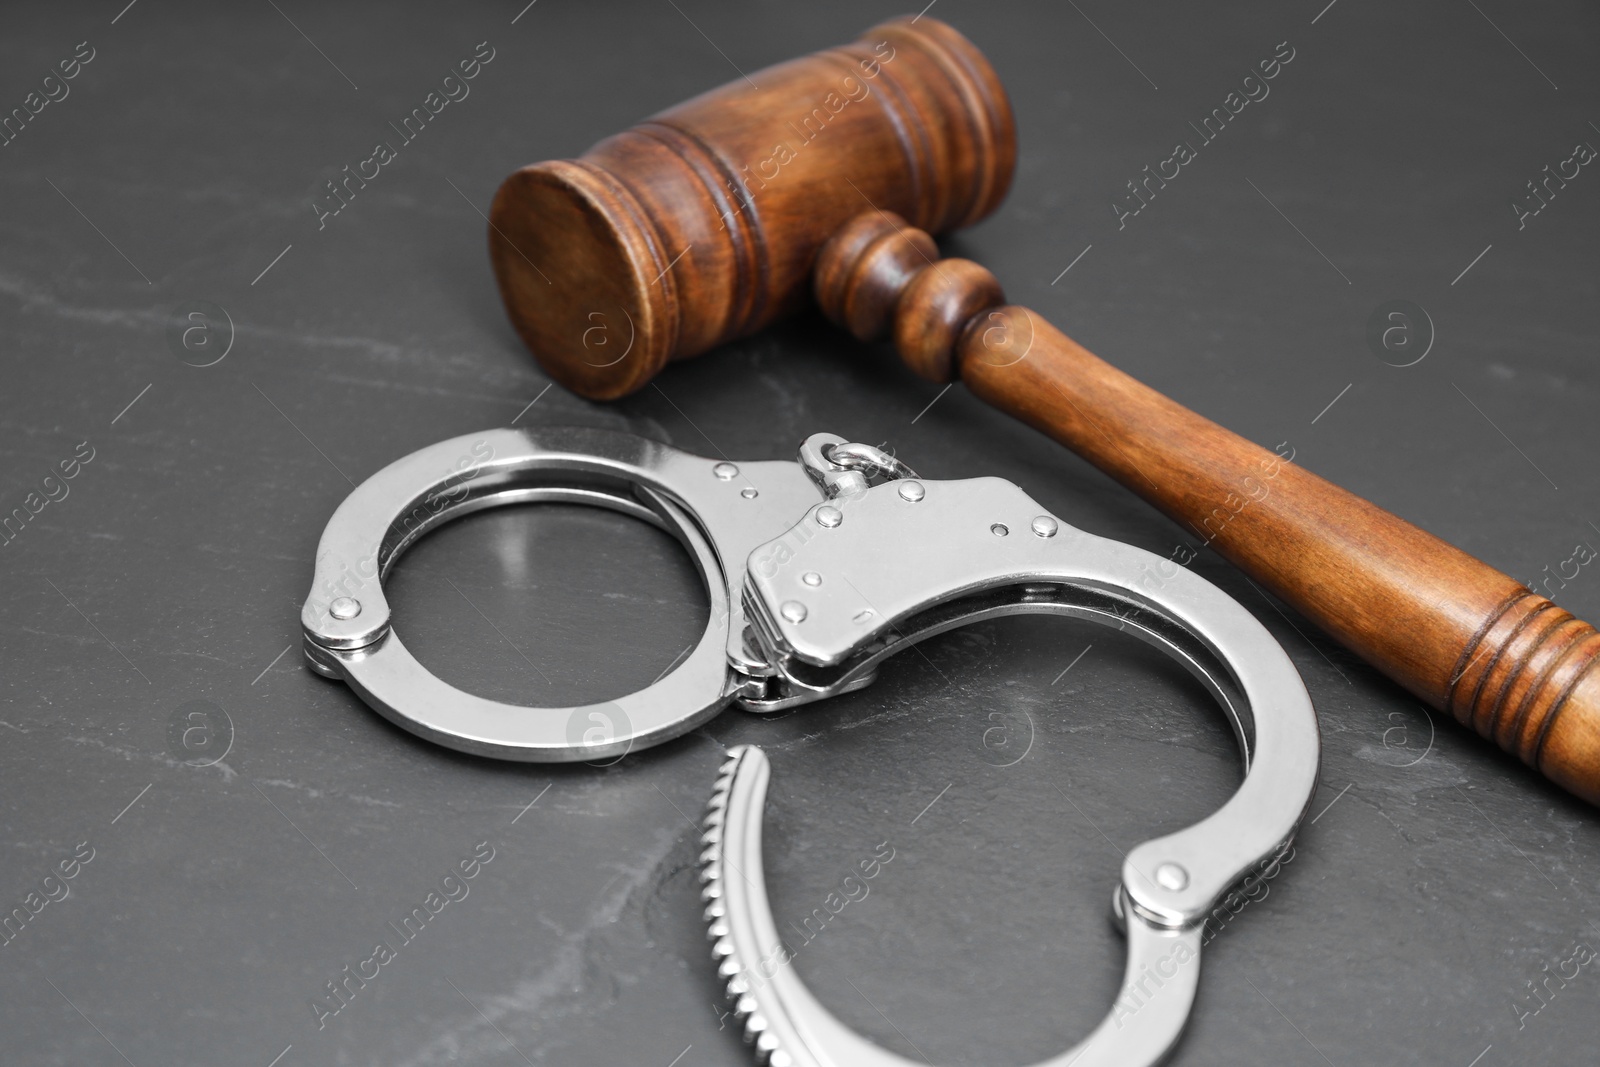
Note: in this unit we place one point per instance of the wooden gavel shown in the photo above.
(712, 219)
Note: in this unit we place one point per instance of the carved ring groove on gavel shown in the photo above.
(827, 174)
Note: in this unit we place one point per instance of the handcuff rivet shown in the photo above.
(811, 578)
(1045, 526)
(1171, 876)
(749, 492)
(1000, 529)
(912, 492)
(829, 516)
(344, 607)
(726, 472)
(793, 611)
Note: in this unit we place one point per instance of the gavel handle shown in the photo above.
(1459, 634)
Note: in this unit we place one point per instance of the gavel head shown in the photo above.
(702, 225)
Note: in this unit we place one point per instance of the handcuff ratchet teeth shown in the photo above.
(912, 558)
(816, 570)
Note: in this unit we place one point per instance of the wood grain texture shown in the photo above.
(702, 224)
(880, 274)
(705, 223)
(1456, 632)
(1459, 634)
(863, 268)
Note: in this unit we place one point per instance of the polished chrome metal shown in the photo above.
(919, 569)
(689, 496)
(812, 582)
(843, 469)
(1168, 885)
(1171, 876)
(789, 1027)
(816, 571)
(869, 458)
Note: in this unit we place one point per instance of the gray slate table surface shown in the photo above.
(1435, 882)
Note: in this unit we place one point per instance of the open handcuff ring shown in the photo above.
(816, 570)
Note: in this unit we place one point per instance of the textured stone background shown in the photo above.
(185, 159)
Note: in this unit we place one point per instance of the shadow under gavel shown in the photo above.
(827, 173)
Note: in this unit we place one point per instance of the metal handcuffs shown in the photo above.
(816, 571)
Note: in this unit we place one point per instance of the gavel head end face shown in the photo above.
(569, 258)
(702, 224)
